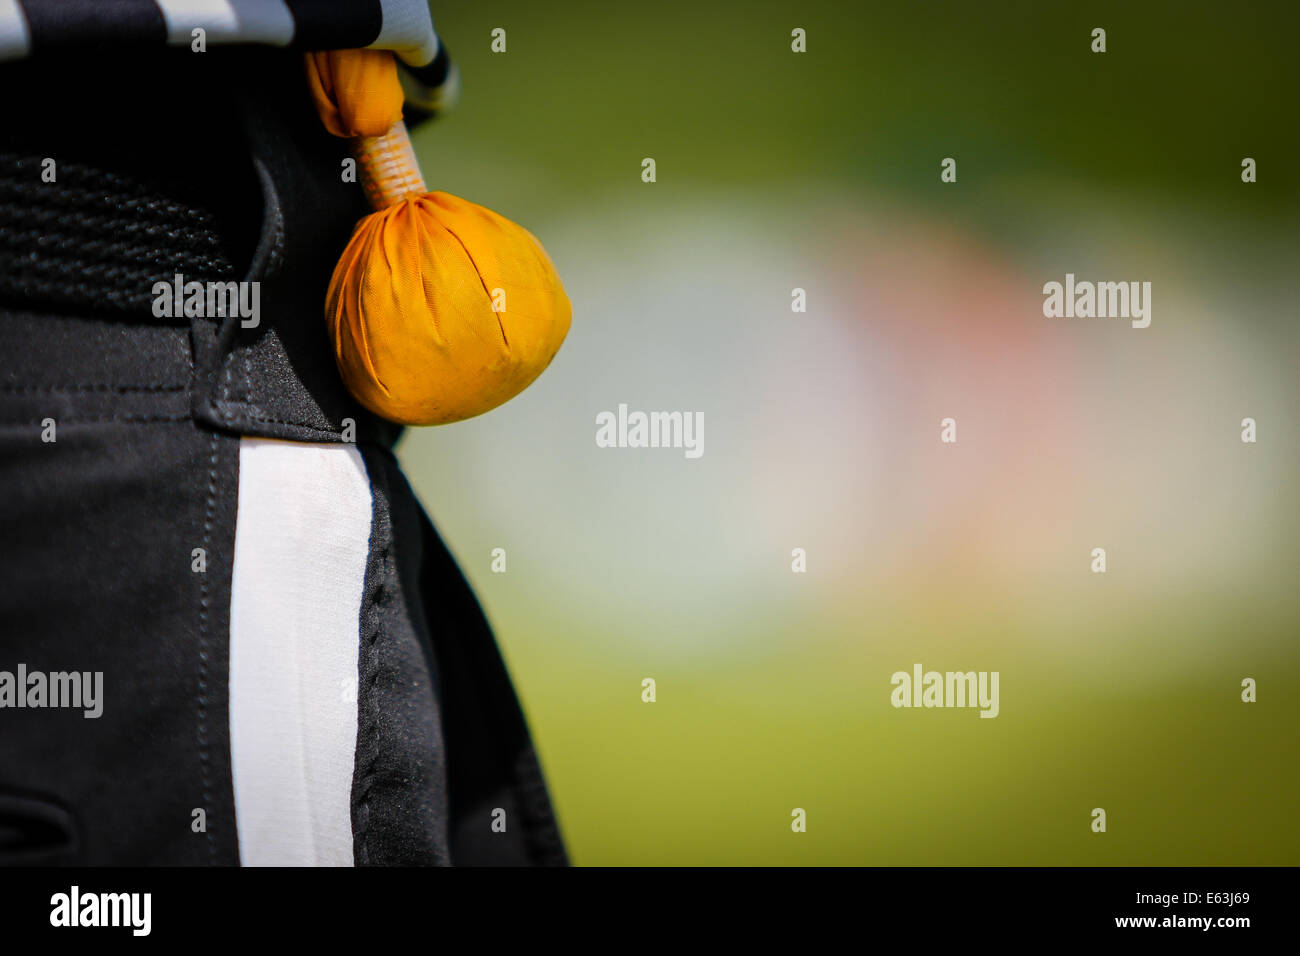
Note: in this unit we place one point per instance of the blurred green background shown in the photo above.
(778, 170)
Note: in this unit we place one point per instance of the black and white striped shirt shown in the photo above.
(39, 28)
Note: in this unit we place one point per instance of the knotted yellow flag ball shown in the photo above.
(440, 310)
(356, 92)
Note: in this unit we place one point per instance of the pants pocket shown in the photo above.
(35, 831)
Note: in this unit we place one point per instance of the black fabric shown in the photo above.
(330, 25)
(279, 378)
(97, 241)
(98, 529)
(141, 192)
(478, 759)
(399, 789)
(122, 32)
(69, 24)
(428, 94)
(435, 73)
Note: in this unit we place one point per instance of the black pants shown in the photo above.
(223, 172)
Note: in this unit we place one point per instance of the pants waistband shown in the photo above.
(268, 207)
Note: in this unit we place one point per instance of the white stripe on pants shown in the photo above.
(302, 537)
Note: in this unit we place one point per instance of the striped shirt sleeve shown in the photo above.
(40, 28)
